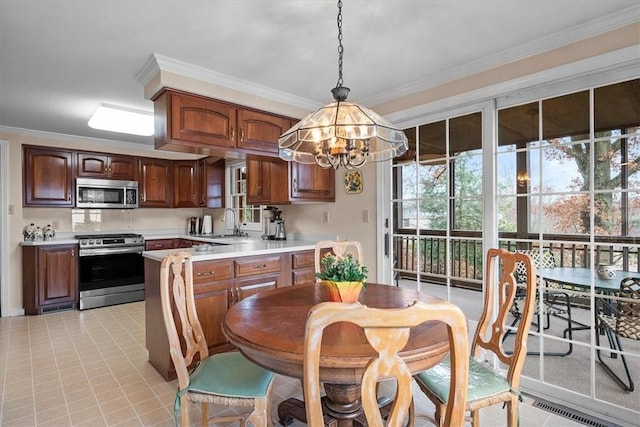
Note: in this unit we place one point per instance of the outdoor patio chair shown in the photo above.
(555, 302)
(620, 320)
(387, 330)
(487, 385)
(227, 379)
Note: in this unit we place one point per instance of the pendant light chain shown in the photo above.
(340, 48)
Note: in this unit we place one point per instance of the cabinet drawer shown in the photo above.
(208, 271)
(302, 259)
(159, 244)
(257, 265)
(303, 276)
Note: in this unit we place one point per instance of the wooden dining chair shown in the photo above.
(387, 330)
(620, 320)
(487, 385)
(227, 379)
(339, 249)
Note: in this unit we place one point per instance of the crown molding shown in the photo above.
(160, 63)
(556, 40)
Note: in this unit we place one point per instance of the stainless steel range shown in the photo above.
(111, 269)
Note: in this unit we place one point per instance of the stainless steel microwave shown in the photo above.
(106, 193)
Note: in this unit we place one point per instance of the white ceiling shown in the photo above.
(60, 59)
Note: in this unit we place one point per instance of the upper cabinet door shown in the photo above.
(48, 177)
(194, 121)
(186, 191)
(260, 131)
(123, 167)
(155, 183)
(96, 165)
(311, 183)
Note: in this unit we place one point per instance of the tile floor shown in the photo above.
(90, 368)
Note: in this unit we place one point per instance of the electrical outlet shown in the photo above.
(55, 224)
(325, 217)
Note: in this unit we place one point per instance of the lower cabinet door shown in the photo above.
(211, 308)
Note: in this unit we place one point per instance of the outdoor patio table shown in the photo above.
(269, 329)
(581, 278)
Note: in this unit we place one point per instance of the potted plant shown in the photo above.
(344, 277)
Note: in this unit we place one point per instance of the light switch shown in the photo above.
(325, 217)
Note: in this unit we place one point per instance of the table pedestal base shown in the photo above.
(341, 407)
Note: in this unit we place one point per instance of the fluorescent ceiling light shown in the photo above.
(123, 120)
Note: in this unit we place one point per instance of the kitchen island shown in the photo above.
(228, 271)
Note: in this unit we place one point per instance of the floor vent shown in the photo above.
(571, 414)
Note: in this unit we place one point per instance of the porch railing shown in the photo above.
(426, 257)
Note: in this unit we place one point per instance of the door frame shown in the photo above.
(4, 227)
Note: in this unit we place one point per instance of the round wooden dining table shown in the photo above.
(269, 329)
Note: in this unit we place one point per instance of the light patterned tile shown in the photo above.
(124, 414)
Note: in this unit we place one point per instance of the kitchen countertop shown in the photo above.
(225, 247)
(229, 247)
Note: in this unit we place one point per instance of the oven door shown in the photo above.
(109, 268)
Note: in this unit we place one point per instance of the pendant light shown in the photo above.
(342, 133)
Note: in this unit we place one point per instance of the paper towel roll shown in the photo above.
(207, 225)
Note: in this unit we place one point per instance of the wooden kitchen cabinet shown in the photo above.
(47, 177)
(311, 183)
(198, 183)
(155, 183)
(266, 181)
(192, 123)
(303, 271)
(186, 184)
(49, 278)
(260, 131)
(97, 165)
(160, 244)
(183, 119)
(217, 285)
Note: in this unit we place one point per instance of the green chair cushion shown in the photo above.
(483, 380)
(230, 375)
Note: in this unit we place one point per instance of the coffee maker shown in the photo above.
(193, 225)
(273, 224)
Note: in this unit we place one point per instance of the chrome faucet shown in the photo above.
(237, 227)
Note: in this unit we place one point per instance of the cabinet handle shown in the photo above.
(233, 134)
(255, 267)
(207, 273)
(158, 245)
(73, 253)
(241, 134)
(259, 191)
(144, 197)
(194, 198)
(295, 185)
(68, 195)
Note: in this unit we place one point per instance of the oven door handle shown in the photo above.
(111, 251)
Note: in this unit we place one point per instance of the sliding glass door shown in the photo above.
(553, 171)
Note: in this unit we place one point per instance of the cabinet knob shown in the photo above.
(68, 195)
(256, 267)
